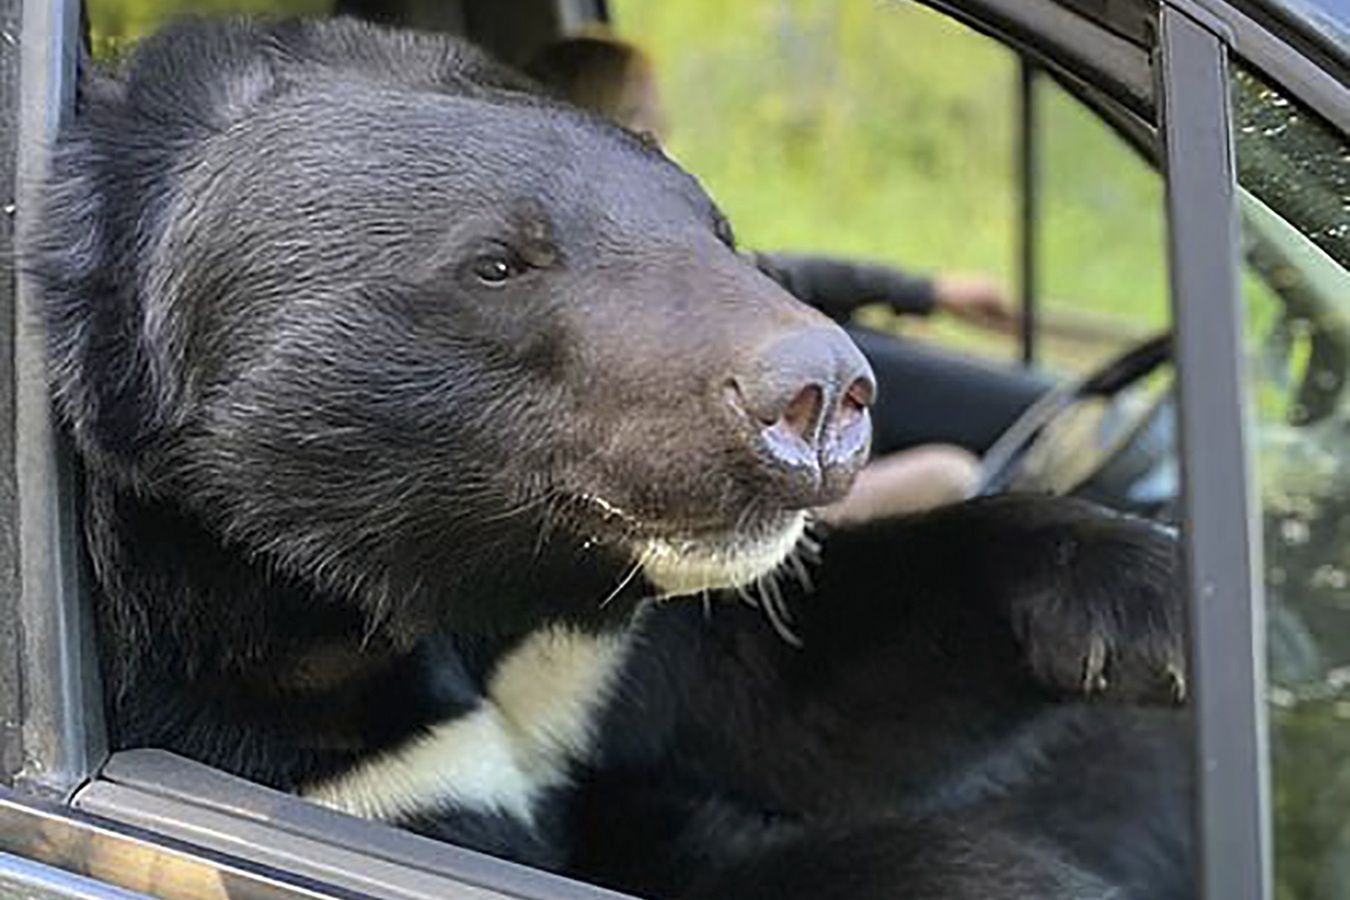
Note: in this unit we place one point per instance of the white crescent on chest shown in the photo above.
(538, 717)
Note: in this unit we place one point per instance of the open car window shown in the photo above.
(1102, 241)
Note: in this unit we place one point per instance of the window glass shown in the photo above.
(877, 131)
(1102, 243)
(1294, 173)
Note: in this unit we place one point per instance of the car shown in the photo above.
(1242, 105)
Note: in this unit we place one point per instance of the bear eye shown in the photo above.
(495, 268)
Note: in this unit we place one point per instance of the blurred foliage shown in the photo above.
(1312, 829)
(887, 131)
(115, 24)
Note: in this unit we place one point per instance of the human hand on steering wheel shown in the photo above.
(976, 299)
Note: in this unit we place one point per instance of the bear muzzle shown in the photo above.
(805, 397)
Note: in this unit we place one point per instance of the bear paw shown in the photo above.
(1107, 619)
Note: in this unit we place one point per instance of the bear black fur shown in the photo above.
(399, 391)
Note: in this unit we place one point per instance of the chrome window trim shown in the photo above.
(192, 802)
(32, 880)
(62, 735)
(327, 863)
(11, 696)
(113, 854)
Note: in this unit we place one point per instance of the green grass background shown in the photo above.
(885, 130)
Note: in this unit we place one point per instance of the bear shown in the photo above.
(433, 435)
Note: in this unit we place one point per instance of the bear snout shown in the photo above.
(805, 396)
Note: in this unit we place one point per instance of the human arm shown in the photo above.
(837, 287)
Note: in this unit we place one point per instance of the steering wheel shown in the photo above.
(1005, 464)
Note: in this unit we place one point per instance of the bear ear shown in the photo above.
(104, 207)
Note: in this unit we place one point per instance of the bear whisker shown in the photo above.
(751, 509)
(810, 543)
(375, 620)
(799, 568)
(776, 610)
(624, 582)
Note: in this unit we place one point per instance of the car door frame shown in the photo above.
(51, 690)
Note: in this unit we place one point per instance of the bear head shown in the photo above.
(373, 311)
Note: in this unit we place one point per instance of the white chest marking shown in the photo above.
(537, 718)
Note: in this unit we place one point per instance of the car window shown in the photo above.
(1294, 175)
(875, 131)
(1102, 241)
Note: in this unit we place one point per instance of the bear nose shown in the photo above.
(806, 397)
